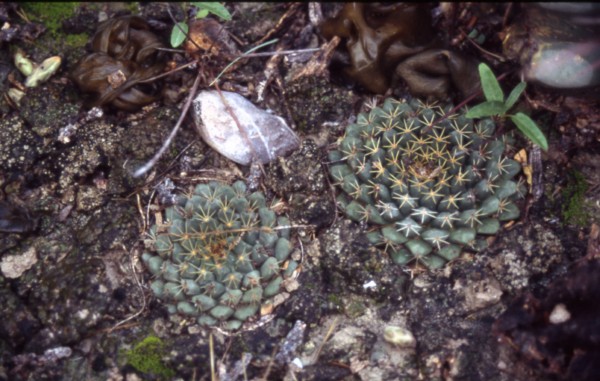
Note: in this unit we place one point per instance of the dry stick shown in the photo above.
(239, 58)
(237, 122)
(265, 229)
(171, 50)
(169, 72)
(167, 142)
(160, 175)
(269, 365)
(293, 7)
(481, 49)
(269, 54)
(213, 374)
(141, 288)
(316, 355)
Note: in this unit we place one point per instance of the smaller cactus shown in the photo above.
(430, 184)
(221, 256)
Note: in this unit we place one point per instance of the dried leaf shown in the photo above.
(521, 157)
(259, 134)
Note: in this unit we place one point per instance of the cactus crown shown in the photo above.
(431, 183)
(220, 256)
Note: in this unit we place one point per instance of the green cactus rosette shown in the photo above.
(220, 255)
(431, 184)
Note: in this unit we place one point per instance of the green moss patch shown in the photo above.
(573, 209)
(50, 14)
(146, 357)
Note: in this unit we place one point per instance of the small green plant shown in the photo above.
(495, 104)
(181, 29)
(146, 357)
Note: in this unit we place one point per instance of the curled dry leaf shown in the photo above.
(521, 158)
(207, 35)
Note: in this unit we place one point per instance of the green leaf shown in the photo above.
(214, 8)
(202, 13)
(490, 85)
(486, 109)
(514, 95)
(530, 129)
(178, 34)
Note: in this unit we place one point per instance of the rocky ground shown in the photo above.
(75, 298)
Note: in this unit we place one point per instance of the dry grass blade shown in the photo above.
(327, 336)
(213, 374)
(146, 167)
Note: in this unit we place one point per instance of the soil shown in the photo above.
(76, 301)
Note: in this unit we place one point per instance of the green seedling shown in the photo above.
(496, 104)
(181, 29)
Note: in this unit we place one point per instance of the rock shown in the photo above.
(263, 135)
(13, 266)
(399, 336)
(482, 294)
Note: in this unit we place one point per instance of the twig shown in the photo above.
(148, 207)
(327, 336)
(146, 167)
(240, 57)
(293, 8)
(21, 13)
(139, 284)
(141, 211)
(269, 365)
(213, 375)
(331, 189)
(169, 72)
(265, 229)
(172, 50)
(484, 51)
(268, 54)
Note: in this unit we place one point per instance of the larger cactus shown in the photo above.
(220, 256)
(430, 184)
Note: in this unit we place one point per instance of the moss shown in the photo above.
(77, 40)
(336, 300)
(146, 357)
(573, 209)
(355, 309)
(50, 14)
(133, 7)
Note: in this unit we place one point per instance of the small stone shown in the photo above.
(559, 314)
(399, 336)
(370, 285)
(13, 266)
(482, 294)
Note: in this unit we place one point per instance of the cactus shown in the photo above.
(220, 256)
(430, 184)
